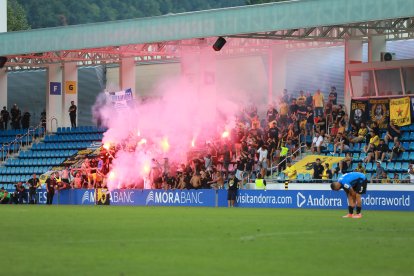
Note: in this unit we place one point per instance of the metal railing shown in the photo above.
(51, 124)
(14, 146)
(275, 168)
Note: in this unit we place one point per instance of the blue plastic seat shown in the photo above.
(405, 136)
(397, 166)
(369, 167)
(405, 166)
(390, 166)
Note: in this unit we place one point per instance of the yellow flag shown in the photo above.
(305, 165)
(400, 112)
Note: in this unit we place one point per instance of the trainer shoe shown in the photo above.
(348, 216)
(357, 216)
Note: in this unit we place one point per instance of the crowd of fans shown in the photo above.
(255, 148)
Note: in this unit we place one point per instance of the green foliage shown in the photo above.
(52, 13)
(16, 17)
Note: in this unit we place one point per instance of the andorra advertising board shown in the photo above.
(309, 199)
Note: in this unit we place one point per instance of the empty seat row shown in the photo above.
(9, 186)
(81, 129)
(61, 146)
(34, 162)
(13, 179)
(24, 170)
(405, 156)
(11, 147)
(13, 132)
(47, 153)
(408, 128)
(5, 140)
(73, 137)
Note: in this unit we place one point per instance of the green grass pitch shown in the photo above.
(109, 240)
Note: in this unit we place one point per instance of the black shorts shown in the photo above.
(361, 188)
(231, 194)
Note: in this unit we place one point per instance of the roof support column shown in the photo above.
(277, 71)
(376, 45)
(3, 88)
(54, 97)
(199, 71)
(270, 78)
(353, 54)
(70, 81)
(127, 74)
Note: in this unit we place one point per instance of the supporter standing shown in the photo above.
(317, 169)
(33, 183)
(318, 103)
(72, 113)
(196, 181)
(50, 188)
(291, 171)
(260, 183)
(5, 115)
(309, 120)
(411, 172)
(15, 116)
(301, 100)
(262, 151)
(327, 172)
(232, 190)
(271, 114)
(333, 95)
(26, 120)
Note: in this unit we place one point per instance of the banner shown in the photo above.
(305, 165)
(400, 111)
(102, 197)
(359, 111)
(301, 199)
(373, 200)
(379, 112)
(412, 107)
(120, 99)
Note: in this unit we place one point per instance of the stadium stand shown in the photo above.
(52, 151)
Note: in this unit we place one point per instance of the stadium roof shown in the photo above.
(321, 20)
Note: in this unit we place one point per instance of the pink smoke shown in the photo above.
(185, 116)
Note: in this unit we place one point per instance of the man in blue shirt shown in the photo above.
(354, 185)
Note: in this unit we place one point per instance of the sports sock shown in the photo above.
(358, 210)
(351, 209)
